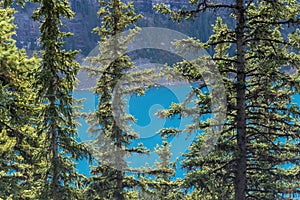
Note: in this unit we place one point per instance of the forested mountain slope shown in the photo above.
(86, 19)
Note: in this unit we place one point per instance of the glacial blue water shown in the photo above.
(143, 108)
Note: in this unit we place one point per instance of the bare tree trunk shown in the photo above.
(55, 174)
(240, 179)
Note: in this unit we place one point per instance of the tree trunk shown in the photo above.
(119, 190)
(54, 145)
(54, 163)
(240, 179)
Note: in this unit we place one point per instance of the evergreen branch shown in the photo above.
(226, 60)
(267, 22)
(266, 39)
(16, 133)
(220, 42)
(203, 7)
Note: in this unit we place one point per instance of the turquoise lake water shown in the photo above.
(143, 108)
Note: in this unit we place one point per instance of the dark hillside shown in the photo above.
(86, 19)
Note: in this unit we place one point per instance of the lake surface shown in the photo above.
(143, 108)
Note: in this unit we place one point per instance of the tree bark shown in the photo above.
(54, 147)
(54, 163)
(241, 165)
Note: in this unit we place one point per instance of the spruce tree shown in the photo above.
(112, 177)
(160, 180)
(257, 155)
(57, 127)
(18, 114)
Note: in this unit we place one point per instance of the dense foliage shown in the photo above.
(256, 52)
(108, 122)
(19, 139)
(257, 156)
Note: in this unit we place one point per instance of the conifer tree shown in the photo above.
(57, 127)
(18, 114)
(112, 177)
(256, 156)
(160, 180)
